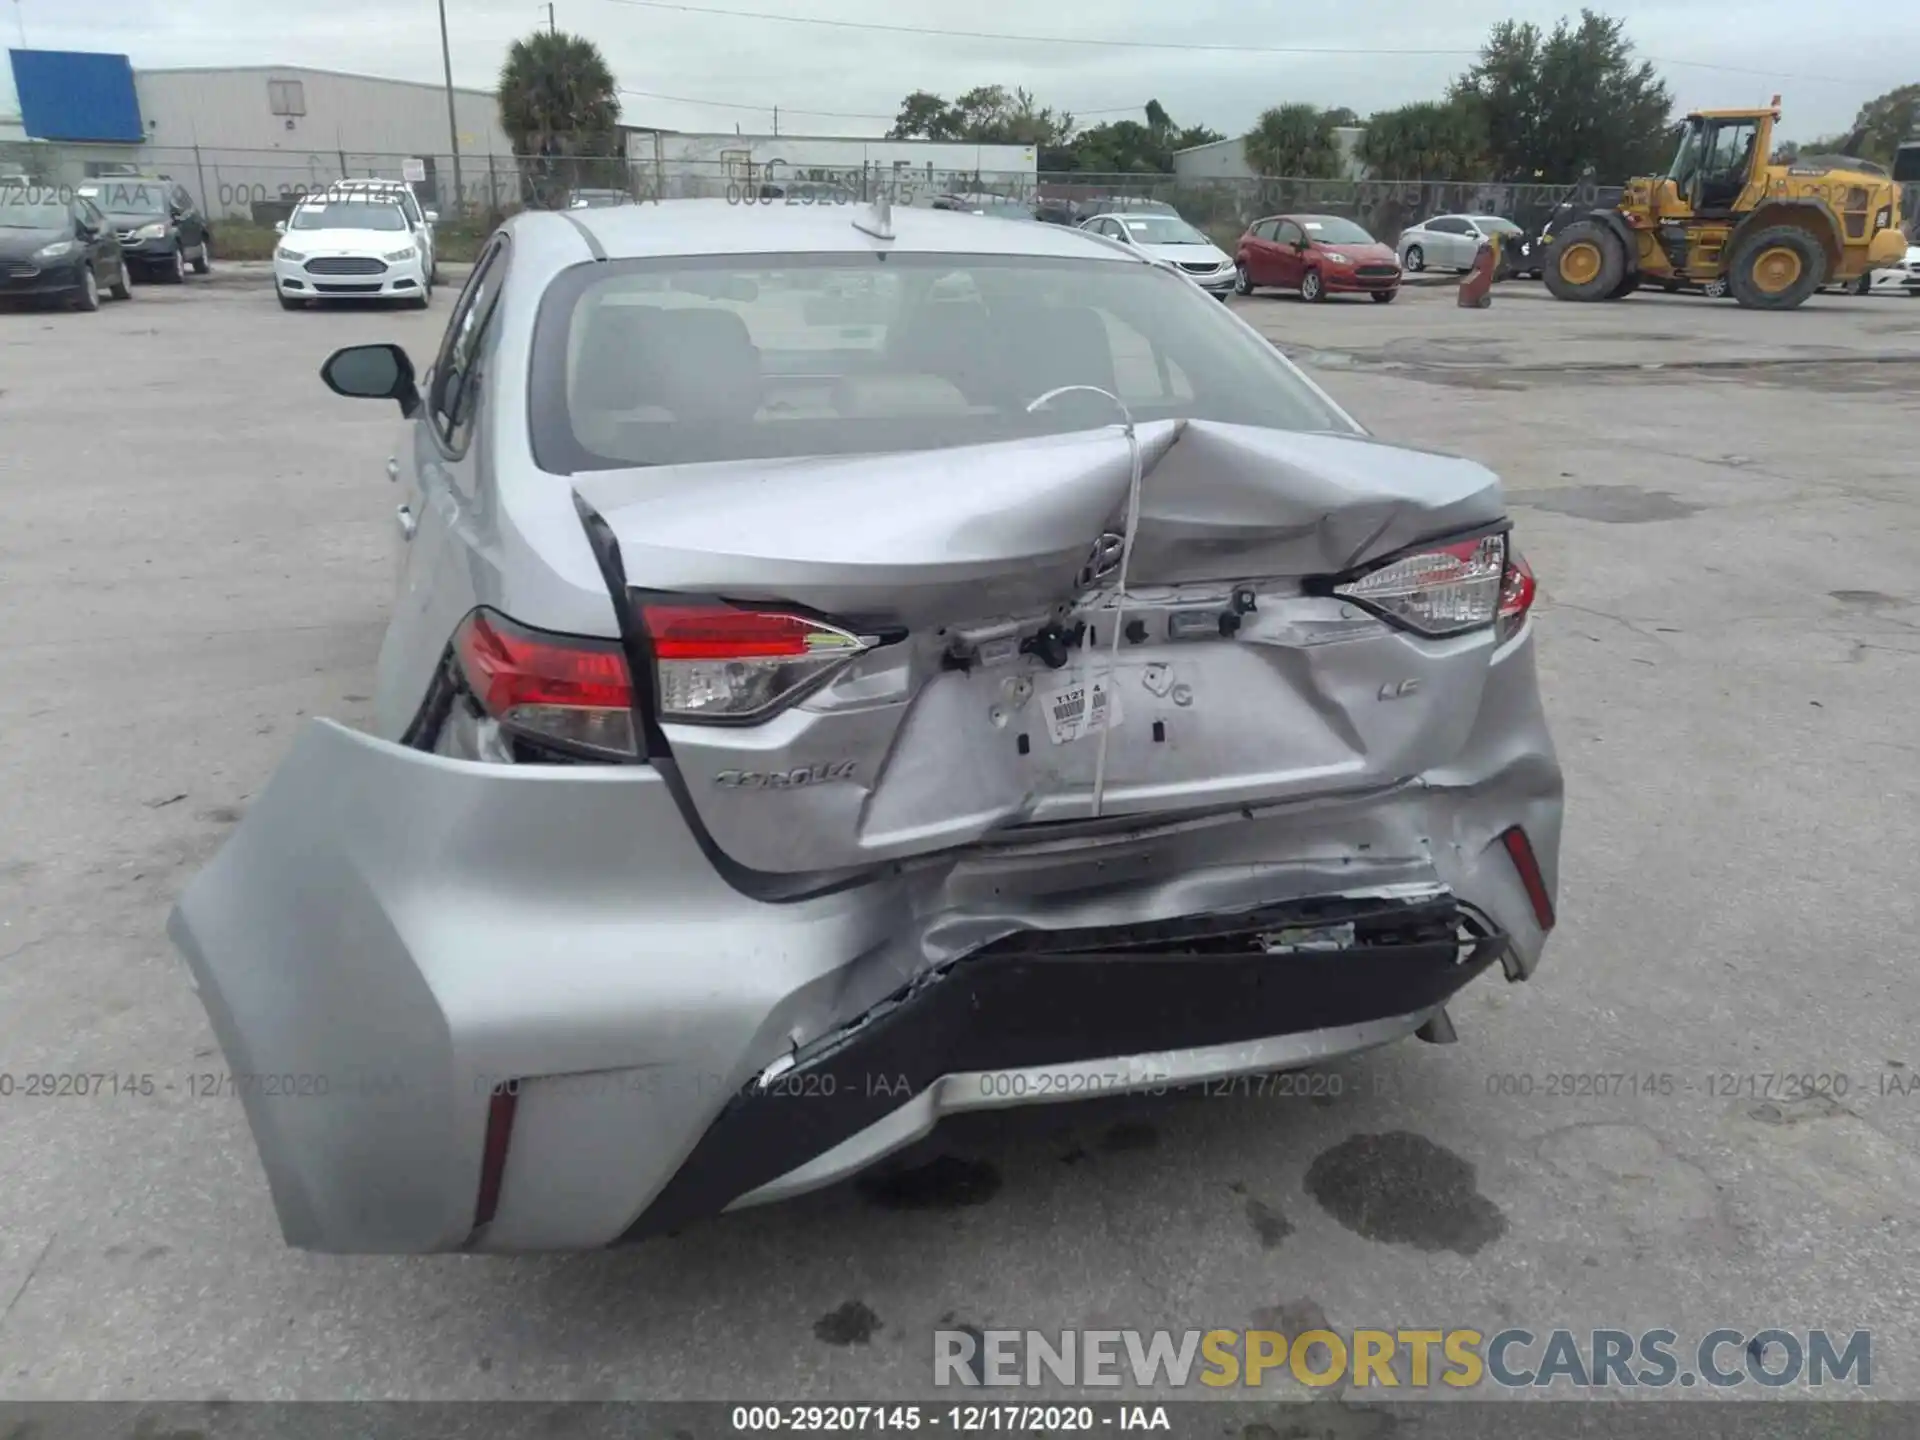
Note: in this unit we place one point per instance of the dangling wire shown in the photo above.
(1128, 530)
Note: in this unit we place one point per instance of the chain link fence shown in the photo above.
(260, 186)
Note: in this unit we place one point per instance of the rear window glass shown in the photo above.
(733, 358)
(129, 197)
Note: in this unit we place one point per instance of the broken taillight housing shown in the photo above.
(1517, 590)
(571, 690)
(1444, 590)
(721, 664)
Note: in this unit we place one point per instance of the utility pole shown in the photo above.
(20, 14)
(453, 119)
(776, 120)
(550, 22)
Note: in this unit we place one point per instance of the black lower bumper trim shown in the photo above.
(1051, 999)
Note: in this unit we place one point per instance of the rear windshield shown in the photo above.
(130, 197)
(742, 357)
(349, 215)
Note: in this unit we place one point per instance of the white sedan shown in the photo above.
(357, 249)
(1450, 242)
(1171, 239)
(1901, 279)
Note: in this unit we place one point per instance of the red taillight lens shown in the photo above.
(1517, 590)
(566, 688)
(1520, 851)
(1445, 590)
(718, 663)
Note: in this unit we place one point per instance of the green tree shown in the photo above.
(985, 115)
(1129, 147)
(1886, 121)
(1428, 140)
(924, 116)
(1554, 104)
(1293, 141)
(561, 108)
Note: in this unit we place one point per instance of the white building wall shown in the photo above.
(690, 164)
(215, 131)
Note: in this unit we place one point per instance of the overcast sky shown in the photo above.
(741, 68)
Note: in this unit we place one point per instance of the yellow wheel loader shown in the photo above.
(1726, 219)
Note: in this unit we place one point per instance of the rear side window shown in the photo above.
(758, 357)
(455, 388)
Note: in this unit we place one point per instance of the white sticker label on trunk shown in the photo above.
(1069, 713)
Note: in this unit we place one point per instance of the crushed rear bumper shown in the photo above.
(1077, 1015)
(392, 940)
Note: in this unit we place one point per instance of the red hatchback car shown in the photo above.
(1318, 255)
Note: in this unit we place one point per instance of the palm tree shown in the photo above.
(1430, 140)
(1293, 142)
(560, 106)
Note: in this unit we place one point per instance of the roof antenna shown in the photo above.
(877, 222)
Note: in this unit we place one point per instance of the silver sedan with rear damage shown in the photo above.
(849, 667)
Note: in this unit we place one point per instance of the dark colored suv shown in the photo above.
(161, 230)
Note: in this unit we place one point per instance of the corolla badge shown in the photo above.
(785, 779)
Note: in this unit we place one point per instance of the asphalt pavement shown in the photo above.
(1700, 1112)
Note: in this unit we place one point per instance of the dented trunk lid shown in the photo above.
(1232, 685)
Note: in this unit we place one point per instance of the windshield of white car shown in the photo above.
(130, 197)
(349, 215)
(1333, 230)
(761, 357)
(1161, 230)
(32, 208)
(1496, 222)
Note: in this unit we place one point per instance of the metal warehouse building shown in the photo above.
(248, 139)
(243, 135)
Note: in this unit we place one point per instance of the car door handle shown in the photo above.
(403, 517)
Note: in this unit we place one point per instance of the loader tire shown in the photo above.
(1628, 284)
(1587, 262)
(1776, 269)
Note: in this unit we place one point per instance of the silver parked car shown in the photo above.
(1173, 240)
(1449, 242)
(851, 667)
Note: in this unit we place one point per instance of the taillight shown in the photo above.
(1446, 590)
(721, 664)
(569, 689)
(1517, 590)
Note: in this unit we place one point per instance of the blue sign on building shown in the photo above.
(77, 95)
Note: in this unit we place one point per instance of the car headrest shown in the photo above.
(699, 363)
(1055, 346)
(708, 363)
(957, 341)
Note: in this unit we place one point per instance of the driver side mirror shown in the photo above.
(279, 227)
(432, 216)
(373, 372)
